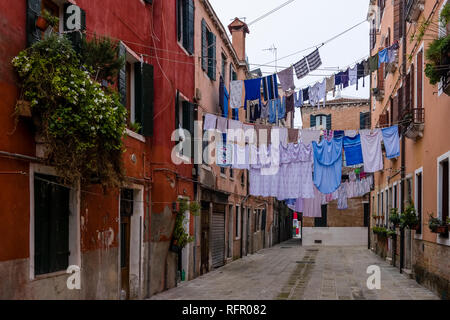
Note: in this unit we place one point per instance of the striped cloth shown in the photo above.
(310, 63)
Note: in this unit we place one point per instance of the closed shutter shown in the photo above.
(122, 81)
(398, 25)
(407, 97)
(395, 109)
(218, 239)
(412, 86)
(312, 121)
(419, 79)
(328, 121)
(33, 11)
(401, 102)
(51, 230)
(188, 26)
(188, 123)
(176, 109)
(380, 77)
(144, 97)
(212, 56)
(204, 45)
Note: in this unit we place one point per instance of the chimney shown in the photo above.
(238, 30)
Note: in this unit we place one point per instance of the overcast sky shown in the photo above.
(299, 25)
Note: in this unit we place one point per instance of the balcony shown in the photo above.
(413, 10)
(446, 84)
(415, 123)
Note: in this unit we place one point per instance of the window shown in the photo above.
(443, 30)
(185, 115)
(320, 122)
(185, 24)
(409, 191)
(231, 173)
(419, 79)
(237, 218)
(386, 212)
(51, 225)
(135, 85)
(233, 74)
(224, 68)
(418, 194)
(208, 51)
(398, 15)
(364, 120)
(243, 178)
(395, 197)
(443, 187)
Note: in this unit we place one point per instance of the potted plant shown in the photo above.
(434, 224)
(409, 218)
(391, 233)
(46, 20)
(180, 237)
(394, 217)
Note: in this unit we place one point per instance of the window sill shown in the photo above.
(135, 135)
(50, 275)
(184, 49)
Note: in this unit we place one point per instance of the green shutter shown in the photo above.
(211, 56)
(204, 45)
(33, 11)
(75, 37)
(122, 77)
(177, 118)
(190, 26)
(328, 121)
(312, 121)
(147, 100)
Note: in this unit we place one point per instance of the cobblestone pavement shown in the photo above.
(290, 271)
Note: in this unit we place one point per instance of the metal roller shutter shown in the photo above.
(218, 239)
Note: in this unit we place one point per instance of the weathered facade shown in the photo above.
(98, 234)
(420, 176)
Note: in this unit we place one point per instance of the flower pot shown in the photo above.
(442, 230)
(23, 108)
(41, 23)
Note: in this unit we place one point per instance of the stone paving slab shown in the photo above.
(295, 272)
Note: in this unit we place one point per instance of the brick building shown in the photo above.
(401, 93)
(338, 227)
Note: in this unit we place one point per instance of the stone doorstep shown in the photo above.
(408, 272)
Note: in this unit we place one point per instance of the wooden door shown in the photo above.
(204, 267)
(126, 211)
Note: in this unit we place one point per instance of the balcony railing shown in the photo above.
(413, 10)
(415, 123)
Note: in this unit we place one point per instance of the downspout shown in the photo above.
(403, 146)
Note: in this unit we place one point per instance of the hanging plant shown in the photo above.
(81, 124)
(409, 217)
(180, 237)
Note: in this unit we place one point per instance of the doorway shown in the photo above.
(204, 261)
(322, 221)
(126, 211)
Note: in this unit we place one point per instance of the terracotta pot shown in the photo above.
(41, 23)
(23, 108)
(442, 229)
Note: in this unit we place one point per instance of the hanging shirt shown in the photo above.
(327, 165)
(338, 134)
(236, 94)
(342, 197)
(283, 136)
(252, 90)
(298, 99)
(305, 95)
(366, 67)
(313, 207)
(353, 151)
(391, 142)
(360, 74)
(371, 150)
(290, 103)
(287, 79)
(330, 86)
(345, 78)
(240, 157)
(292, 135)
(308, 136)
(255, 111)
(350, 133)
(353, 75)
(314, 94)
(224, 153)
(373, 63)
(382, 57)
(210, 122)
(222, 124)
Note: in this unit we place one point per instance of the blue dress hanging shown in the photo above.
(328, 165)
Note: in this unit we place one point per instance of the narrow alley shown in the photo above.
(289, 271)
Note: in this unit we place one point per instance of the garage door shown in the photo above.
(218, 239)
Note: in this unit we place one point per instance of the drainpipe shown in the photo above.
(403, 147)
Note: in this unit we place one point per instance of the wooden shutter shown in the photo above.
(177, 117)
(122, 77)
(328, 121)
(412, 86)
(144, 97)
(212, 56)
(419, 79)
(312, 121)
(398, 23)
(188, 26)
(204, 45)
(380, 77)
(401, 102)
(188, 122)
(395, 109)
(33, 11)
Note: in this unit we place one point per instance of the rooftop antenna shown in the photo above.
(273, 49)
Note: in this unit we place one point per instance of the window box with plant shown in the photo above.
(436, 225)
(409, 219)
(46, 20)
(81, 123)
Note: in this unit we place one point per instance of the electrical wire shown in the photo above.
(270, 12)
